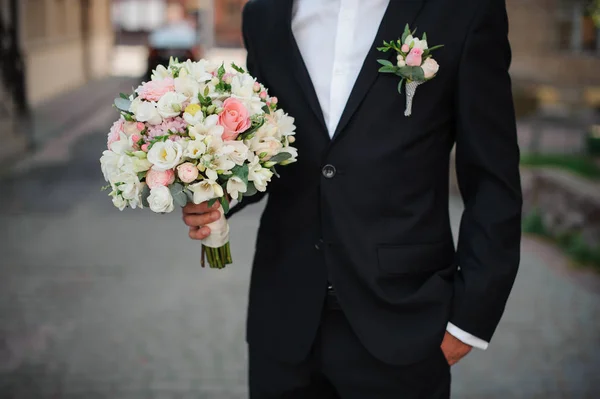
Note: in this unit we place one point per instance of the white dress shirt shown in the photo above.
(334, 38)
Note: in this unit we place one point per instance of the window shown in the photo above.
(579, 25)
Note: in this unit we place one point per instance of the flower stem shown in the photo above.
(218, 258)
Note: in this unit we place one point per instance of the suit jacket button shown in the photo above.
(329, 171)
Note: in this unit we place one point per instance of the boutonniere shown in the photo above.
(415, 64)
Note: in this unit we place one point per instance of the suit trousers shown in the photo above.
(339, 367)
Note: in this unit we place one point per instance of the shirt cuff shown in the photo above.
(466, 338)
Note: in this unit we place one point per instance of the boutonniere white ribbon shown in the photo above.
(415, 64)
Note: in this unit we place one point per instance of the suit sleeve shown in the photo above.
(487, 164)
(253, 69)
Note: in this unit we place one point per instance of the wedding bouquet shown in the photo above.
(196, 132)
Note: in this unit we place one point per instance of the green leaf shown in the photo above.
(145, 195)
(212, 202)
(424, 36)
(400, 84)
(206, 91)
(257, 123)
(282, 156)
(127, 116)
(414, 73)
(237, 68)
(241, 172)
(224, 203)
(122, 104)
(384, 49)
(179, 197)
(141, 175)
(406, 33)
(385, 63)
(251, 190)
(435, 48)
(221, 71)
(124, 96)
(388, 69)
(189, 194)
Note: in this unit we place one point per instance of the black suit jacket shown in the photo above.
(368, 209)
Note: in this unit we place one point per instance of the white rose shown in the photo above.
(205, 191)
(161, 200)
(109, 163)
(430, 67)
(165, 155)
(145, 111)
(239, 155)
(235, 186)
(171, 104)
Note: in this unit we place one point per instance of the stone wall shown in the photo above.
(567, 204)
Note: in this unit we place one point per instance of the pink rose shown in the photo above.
(130, 128)
(263, 95)
(145, 147)
(155, 89)
(405, 48)
(415, 57)
(234, 118)
(157, 178)
(115, 131)
(187, 172)
(256, 87)
(140, 126)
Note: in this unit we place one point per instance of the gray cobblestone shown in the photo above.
(95, 303)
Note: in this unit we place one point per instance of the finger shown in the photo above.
(200, 208)
(195, 220)
(199, 234)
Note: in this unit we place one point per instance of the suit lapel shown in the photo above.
(298, 68)
(397, 15)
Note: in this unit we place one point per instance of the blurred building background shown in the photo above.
(82, 315)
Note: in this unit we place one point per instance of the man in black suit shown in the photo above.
(357, 289)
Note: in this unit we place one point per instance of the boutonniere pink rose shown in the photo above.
(414, 66)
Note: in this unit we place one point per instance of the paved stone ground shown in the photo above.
(95, 303)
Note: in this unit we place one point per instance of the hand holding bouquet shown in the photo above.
(196, 132)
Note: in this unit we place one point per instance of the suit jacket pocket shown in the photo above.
(414, 258)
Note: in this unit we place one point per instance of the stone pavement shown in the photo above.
(99, 304)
